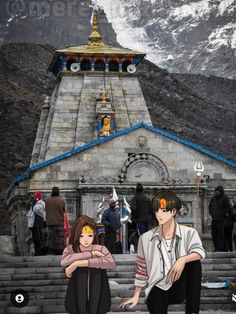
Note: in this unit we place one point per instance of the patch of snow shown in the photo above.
(162, 29)
(233, 40)
(170, 57)
(194, 10)
(127, 36)
(224, 6)
(220, 36)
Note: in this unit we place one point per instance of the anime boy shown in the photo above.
(168, 261)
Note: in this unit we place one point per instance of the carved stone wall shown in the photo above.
(143, 167)
(86, 177)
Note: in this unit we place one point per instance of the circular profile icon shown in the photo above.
(19, 298)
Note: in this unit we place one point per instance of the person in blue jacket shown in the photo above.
(110, 219)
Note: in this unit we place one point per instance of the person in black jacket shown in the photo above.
(228, 233)
(141, 212)
(219, 209)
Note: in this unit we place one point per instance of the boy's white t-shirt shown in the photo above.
(168, 262)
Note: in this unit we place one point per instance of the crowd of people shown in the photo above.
(46, 222)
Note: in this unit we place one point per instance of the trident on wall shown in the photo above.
(198, 168)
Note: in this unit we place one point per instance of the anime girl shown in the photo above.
(86, 262)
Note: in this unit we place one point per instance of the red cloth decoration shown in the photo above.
(66, 229)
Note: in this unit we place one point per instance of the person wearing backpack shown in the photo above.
(37, 223)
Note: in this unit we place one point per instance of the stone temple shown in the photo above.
(95, 133)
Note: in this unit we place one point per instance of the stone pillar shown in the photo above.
(71, 205)
(20, 230)
(120, 67)
(64, 63)
(79, 63)
(106, 65)
(92, 65)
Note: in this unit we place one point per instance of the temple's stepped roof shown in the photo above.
(102, 50)
(94, 49)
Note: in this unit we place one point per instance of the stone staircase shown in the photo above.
(45, 282)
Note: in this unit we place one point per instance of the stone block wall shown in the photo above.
(71, 119)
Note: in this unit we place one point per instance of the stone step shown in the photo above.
(35, 310)
(44, 282)
(59, 299)
(29, 283)
(221, 267)
(180, 312)
(120, 258)
(204, 300)
(204, 279)
(118, 281)
(143, 307)
(180, 307)
(58, 308)
(44, 279)
(35, 289)
(224, 273)
(122, 292)
(225, 261)
(220, 254)
(129, 265)
(25, 310)
(119, 268)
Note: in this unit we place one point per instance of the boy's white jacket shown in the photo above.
(150, 265)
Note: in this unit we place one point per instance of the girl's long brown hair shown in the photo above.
(77, 230)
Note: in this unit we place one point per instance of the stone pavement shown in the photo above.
(45, 282)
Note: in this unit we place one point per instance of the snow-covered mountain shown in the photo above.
(183, 36)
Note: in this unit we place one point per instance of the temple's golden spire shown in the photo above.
(95, 39)
(104, 97)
